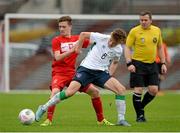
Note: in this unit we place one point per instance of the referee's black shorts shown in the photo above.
(159, 67)
(146, 74)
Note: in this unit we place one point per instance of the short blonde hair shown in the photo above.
(119, 35)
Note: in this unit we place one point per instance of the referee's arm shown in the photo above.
(161, 53)
(127, 54)
(162, 58)
(129, 43)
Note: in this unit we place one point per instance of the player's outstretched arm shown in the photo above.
(58, 56)
(82, 37)
(113, 67)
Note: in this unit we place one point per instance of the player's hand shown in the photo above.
(132, 68)
(77, 50)
(163, 69)
(72, 50)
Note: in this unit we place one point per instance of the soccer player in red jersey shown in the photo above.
(63, 69)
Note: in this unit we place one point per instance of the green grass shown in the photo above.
(77, 115)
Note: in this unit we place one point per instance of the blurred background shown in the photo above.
(30, 39)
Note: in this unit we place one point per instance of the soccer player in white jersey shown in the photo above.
(98, 68)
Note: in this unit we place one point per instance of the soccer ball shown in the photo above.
(26, 116)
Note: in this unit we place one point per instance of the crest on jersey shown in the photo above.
(67, 46)
(154, 40)
(142, 40)
(78, 75)
(103, 46)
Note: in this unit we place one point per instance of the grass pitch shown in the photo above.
(77, 115)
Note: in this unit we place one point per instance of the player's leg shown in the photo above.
(137, 83)
(115, 86)
(149, 95)
(57, 84)
(92, 91)
(51, 109)
(81, 77)
(70, 91)
(152, 89)
(137, 103)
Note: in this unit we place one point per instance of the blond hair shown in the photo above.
(119, 35)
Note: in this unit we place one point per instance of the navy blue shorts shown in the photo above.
(86, 76)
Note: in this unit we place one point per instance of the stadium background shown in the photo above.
(30, 40)
(30, 65)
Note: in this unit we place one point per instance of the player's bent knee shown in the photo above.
(121, 90)
(95, 93)
(153, 90)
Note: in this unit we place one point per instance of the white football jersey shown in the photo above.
(100, 55)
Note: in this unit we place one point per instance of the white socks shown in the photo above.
(54, 100)
(121, 109)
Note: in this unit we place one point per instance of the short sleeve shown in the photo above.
(95, 36)
(160, 38)
(85, 43)
(130, 39)
(55, 44)
(118, 54)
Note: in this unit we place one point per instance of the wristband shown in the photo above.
(163, 64)
(129, 63)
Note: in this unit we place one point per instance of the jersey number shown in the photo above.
(103, 56)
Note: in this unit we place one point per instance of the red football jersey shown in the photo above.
(64, 44)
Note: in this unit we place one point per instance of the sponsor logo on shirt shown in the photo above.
(67, 46)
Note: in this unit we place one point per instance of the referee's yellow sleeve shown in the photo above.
(160, 38)
(130, 39)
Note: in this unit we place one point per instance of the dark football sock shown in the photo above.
(147, 99)
(137, 104)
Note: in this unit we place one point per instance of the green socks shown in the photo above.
(62, 95)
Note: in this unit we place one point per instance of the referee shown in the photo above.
(142, 44)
